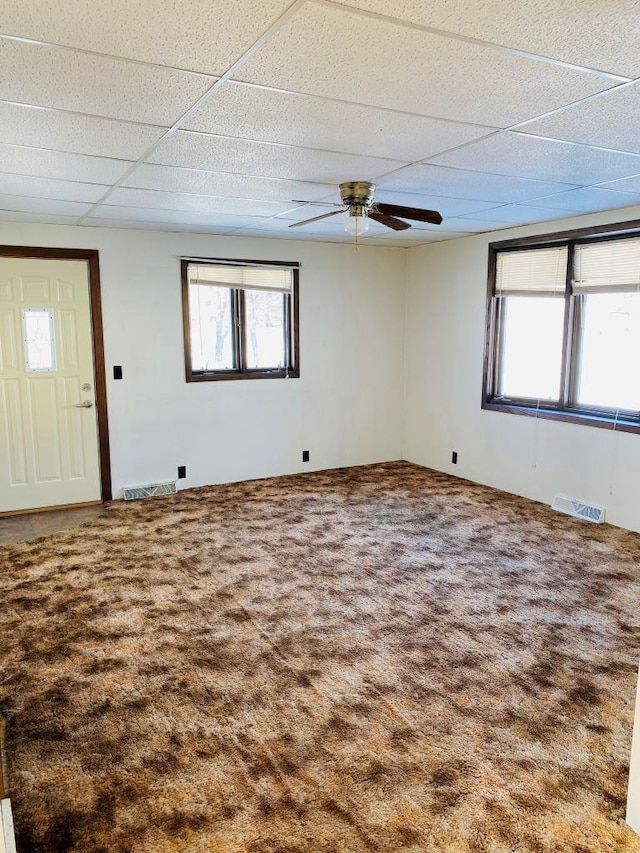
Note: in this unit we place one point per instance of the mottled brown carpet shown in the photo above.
(372, 659)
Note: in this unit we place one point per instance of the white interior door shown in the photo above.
(49, 452)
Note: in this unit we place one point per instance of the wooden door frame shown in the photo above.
(91, 256)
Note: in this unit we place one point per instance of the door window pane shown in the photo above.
(39, 340)
(211, 323)
(531, 353)
(265, 329)
(610, 353)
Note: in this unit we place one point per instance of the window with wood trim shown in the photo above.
(240, 319)
(563, 330)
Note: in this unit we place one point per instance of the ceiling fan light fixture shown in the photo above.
(357, 221)
(358, 204)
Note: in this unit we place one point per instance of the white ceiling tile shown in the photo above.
(458, 183)
(415, 237)
(201, 151)
(610, 121)
(383, 242)
(446, 206)
(326, 50)
(592, 33)
(294, 235)
(189, 202)
(337, 230)
(26, 185)
(42, 205)
(201, 35)
(57, 164)
(142, 225)
(466, 226)
(42, 218)
(589, 199)
(335, 225)
(630, 185)
(72, 80)
(174, 179)
(520, 214)
(273, 224)
(455, 225)
(281, 225)
(268, 116)
(519, 155)
(308, 211)
(151, 215)
(60, 131)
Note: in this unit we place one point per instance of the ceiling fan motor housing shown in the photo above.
(357, 193)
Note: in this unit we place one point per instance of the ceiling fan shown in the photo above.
(357, 201)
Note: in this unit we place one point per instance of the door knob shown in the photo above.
(86, 404)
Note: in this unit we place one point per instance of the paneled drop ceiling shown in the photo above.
(213, 115)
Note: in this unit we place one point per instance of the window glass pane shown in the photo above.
(265, 328)
(610, 352)
(39, 342)
(531, 354)
(211, 324)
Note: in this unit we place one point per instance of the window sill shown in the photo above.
(571, 416)
(249, 374)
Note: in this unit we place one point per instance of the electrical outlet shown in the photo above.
(182, 472)
(305, 456)
(454, 457)
(117, 371)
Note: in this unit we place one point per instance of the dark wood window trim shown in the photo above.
(292, 326)
(565, 410)
(92, 257)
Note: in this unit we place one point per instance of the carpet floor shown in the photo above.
(378, 659)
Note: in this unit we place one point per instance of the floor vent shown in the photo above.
(152, 490)
(578, 509)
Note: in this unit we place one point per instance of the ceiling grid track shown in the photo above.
(219, 83)
(511, 51)
(507, 136)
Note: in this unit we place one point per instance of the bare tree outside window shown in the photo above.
(211, 320)
(265, 328)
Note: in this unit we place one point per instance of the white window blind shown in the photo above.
(541, 271)
(279, 279)
(608, 266)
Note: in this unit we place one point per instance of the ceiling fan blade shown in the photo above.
(389, 221)
(415, 213)
(316, 218)
(320, 203)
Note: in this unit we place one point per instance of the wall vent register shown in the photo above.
(578, 509)
(150, 490)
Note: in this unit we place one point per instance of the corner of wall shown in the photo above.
(405, 338)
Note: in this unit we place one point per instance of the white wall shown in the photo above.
(444, 346)
(346, 408)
